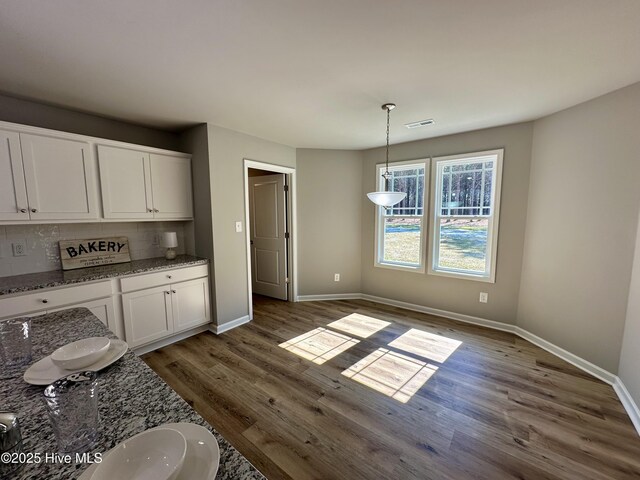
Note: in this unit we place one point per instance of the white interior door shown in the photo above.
(268, 223)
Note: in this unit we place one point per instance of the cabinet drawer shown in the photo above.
(49, 299)
(149, 280)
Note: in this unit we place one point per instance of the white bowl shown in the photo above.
(80, 354)
(152, 455)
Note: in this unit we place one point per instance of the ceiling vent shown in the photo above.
(421, 123)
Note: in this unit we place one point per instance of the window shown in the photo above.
(465, 213)
(400, 228)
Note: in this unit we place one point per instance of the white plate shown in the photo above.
(156, 454)
(203, 454)
(44, 371)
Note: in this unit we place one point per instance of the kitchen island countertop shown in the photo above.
(132, 399)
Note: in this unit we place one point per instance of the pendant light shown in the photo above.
(387, 198)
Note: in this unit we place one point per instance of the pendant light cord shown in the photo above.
(386, 172)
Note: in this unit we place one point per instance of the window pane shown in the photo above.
(488, 182)
(401, 242)
(411, 182)
(463, 244)
(464, 191)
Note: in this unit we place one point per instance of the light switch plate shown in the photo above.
(238, 227)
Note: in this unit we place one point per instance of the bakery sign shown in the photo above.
(90, 253)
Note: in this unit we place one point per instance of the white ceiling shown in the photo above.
(313, 73)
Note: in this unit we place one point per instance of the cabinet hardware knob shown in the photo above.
(168, 276)
(150, 210)
(34, 210)
(173, 291)
(23, 210)
(167, 292)
(44, 300)
(156, 210)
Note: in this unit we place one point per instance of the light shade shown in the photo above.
(169, 240)
(386, 199)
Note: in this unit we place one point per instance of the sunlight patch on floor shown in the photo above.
(427, 345)
(319, 345)
(393, 374)
(360, 325)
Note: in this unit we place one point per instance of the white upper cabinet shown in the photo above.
(13, 192)
(125, 178)
(60, 178)
(139, 185)
(49, 177)
(171, 186)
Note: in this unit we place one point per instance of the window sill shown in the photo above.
(462, 276)
(403, 268)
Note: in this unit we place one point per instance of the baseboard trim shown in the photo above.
(225, 327)
(623, 394)
(483, 322)
(330, 296)
(581, 363)
(168, 341)
(628, 403)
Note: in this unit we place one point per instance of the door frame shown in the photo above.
(291, 223)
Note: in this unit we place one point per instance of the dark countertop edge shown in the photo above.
(187, 261)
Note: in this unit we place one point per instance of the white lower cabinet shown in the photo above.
(153, 306)
(190, 304)
(147, 315)
(164, 309)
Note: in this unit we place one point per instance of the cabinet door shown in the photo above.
(60, 178)
(147, 315)
(13, 193)
(125, 179)
(171, 186)
(190, 304)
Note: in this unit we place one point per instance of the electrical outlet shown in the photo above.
(336, 277)
(19, 248)
(484, 297)
(238, 227)
(156, 239)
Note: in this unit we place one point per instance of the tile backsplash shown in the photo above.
(43, 254)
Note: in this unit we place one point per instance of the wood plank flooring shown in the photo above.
(423, 406)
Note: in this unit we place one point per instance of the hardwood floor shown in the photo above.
(493, 406)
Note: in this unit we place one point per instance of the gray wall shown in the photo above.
(227, 150)
(196, 142)
(630, 357)
(457, 295)
(45, 116)
(329, 220)
(581, 226)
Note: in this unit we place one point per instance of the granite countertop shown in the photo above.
(57, 278)
(132, 398)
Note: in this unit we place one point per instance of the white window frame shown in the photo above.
(380, 214)
(494, 218)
